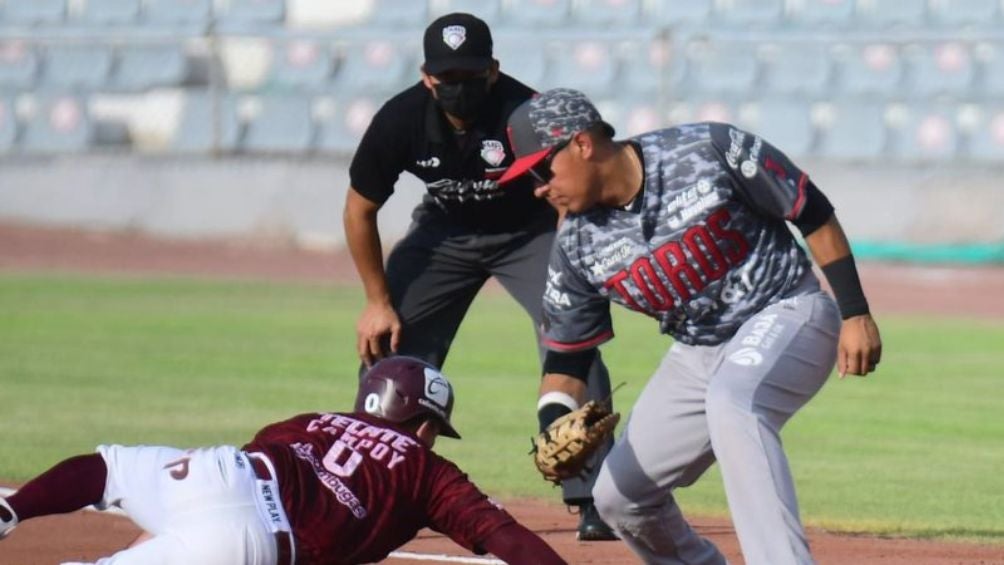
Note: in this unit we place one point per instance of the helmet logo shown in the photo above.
(437, 388)
(372, 403)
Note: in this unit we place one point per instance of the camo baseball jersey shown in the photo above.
(358, 487)
(701, 249)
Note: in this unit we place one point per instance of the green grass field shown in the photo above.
(915, 450)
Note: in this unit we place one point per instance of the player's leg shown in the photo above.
(665, 444)
(777, 361)
(433, 276)
(68, 486)
(522, 270)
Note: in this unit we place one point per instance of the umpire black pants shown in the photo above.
(437, 269)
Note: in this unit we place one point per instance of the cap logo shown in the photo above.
(437, 389)
(454, 36)
(492, 152)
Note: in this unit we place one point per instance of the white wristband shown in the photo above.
(558, 397)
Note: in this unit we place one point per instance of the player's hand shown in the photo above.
(377, 322)
(860, 347)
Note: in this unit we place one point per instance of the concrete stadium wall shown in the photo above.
(299, 201)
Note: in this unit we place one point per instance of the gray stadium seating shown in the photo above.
(990, 83)
(33, 12)
(939, 68)
(607, 13)
(141, 68)
(208, 123)
(964, 13)
(300, 64)
(821, 13)
(110, 12)
(76, 66)
(8, 124)
(692, 13)
(381, 64)
(254, 13)
(586, 65)
(647, 68)
(341, 131)
(886, 13)
(857, 130)
(869, 68)
(784, 122)
(522, 56)
(929, 132)
(187, 15)
(986, 142)
(397, 14)
(721, 66)
(749, 13)
(60, 124)
(488, 10)
(283, 124)
(537, 13)
(18, 65)
(796, 67)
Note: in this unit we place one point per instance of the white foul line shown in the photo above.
(396, 554)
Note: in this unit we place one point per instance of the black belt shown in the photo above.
(283, 540)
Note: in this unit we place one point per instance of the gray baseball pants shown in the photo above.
(726, 402)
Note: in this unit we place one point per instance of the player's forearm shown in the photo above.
(363, 240)
(828, 243)
(832, 253)
(514, 543)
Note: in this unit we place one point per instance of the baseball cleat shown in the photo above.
(592, 527)
(7, 518)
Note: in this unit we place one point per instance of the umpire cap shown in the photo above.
(545, 121)
(457, 42)
(399, 389)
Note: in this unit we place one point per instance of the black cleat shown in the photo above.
(592, 527)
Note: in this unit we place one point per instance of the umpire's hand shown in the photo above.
(377, 322)
(860, 347)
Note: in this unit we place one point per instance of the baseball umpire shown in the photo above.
(449, 131)
(317, 488)
(689, 225)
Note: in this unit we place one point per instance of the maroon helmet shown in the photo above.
(401, 388)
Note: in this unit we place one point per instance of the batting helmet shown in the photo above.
(401, 388)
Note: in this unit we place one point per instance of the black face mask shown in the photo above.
(463, 99)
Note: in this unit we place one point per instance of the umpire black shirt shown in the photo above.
(460, 169)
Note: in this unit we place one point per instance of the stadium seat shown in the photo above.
(908, 14)
(253, 13)
(34, 12)
(785, 123)
(856, 130)
(18, 65)
(721, 66)
(300, 64)
(522, 56)
(537, 13)
(141, 68)
(939, 68)
(60, 124)
(189, 15)
(208, 123)
(676, 15)
(77, 66)
(796, 67)
(399, 14)
(964, 13)
(283, 124)
(8, 124)
(342, 122)
(110, 12)
(748, 13)
(821, 13)
(986, 141)
(488, 10)
(607, 13)
(376, 65)
(589, 66)
(990, 84)
(647, 67)
(928, 132)
(869, 68)
(709, 109)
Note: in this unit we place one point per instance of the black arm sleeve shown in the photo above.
(514, 543)
(574, 363)
(815, 212)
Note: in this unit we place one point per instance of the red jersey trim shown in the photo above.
(579, 345)
(796, 208)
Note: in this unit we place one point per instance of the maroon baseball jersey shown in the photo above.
(356, 487)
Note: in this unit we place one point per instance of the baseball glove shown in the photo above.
(562, 450)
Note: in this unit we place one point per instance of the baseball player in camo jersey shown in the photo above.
(688, 225)
(327, 488)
